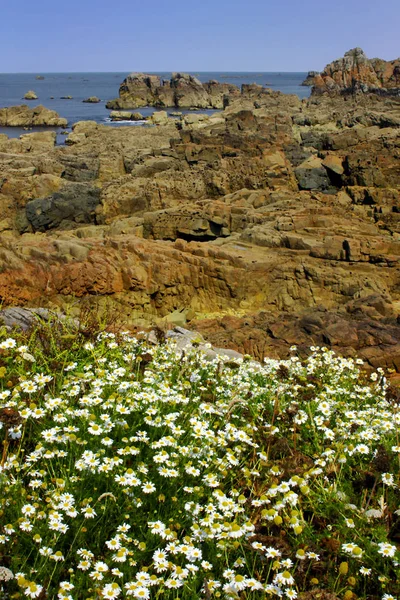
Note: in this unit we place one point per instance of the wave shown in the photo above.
(128, 122)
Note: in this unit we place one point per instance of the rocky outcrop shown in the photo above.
(31, 95)
(23, 116)
(356, 73)
(182, 90)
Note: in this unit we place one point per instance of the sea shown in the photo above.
(53, 86)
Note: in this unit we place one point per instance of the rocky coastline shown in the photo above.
(272, 223)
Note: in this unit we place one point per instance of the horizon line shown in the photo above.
(149, 72)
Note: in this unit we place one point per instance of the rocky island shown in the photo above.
(182, 90)
(270, 223)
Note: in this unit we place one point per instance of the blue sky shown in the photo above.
(207, 35)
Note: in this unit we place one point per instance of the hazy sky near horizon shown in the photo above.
(207, 35)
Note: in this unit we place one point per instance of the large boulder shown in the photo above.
(312, 175)
(23, 116)
(356, 73)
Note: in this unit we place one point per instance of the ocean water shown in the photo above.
(105, 86)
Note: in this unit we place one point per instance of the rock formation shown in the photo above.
(356, 73)
(278, 219)
(182, 90)
(92, 100)
(23, 116)
(30, 95)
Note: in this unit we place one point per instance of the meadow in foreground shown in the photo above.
(133, 470)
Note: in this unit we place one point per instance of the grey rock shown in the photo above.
(26, 318)
(75, 203)
(187, 340)
(312, 175)
(80, 168)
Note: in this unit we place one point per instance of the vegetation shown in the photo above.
(133, 470)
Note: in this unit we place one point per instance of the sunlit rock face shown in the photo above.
(356, 73)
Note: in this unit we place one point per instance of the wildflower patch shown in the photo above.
(182, 477)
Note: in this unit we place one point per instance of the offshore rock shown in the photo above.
(356, 73)
(182, 90)
(23, 116)
(31, 95)
(92, 100)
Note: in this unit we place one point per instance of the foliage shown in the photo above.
(133, 470)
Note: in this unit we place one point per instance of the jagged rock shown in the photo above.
(31, 95)
(23, 116)
(356, 73)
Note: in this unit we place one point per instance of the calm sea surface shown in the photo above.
(106, 85)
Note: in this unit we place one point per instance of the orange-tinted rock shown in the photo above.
(355, 72)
